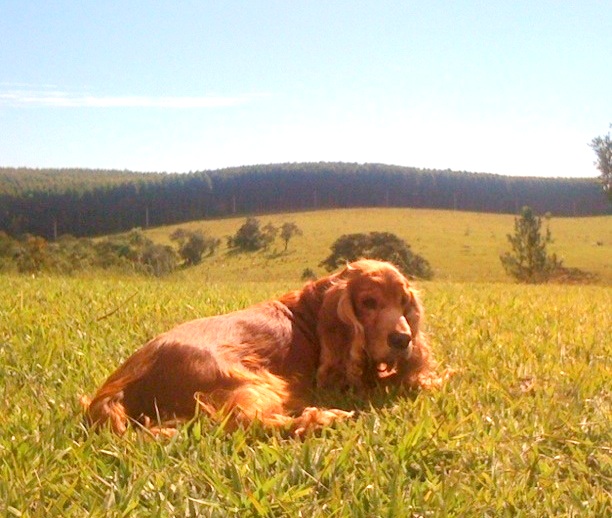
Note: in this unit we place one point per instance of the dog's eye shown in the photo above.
(369, 303)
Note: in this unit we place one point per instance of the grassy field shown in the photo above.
(461, 246)
(522, 430)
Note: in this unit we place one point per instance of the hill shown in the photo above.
(461, 246)
(82, 202)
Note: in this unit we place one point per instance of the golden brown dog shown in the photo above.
(357, 329)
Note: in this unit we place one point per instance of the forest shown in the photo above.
(85, 202)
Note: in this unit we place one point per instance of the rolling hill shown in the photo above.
(461, 246)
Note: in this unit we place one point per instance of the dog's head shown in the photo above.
(370, 315)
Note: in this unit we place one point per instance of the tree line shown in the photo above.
(79, 202)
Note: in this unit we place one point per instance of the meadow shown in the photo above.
(523, 429)
(461, 246)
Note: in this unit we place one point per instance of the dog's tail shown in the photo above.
(107, 406)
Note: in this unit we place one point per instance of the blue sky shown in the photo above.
(507, 87)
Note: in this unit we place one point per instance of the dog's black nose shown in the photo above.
(397, 340)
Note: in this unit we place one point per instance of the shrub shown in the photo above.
(193, 245)
(136, 252)
(384, 246)
(32, 254)
(8, 250)
(251, 237)
(308, 274)
(132, 251)
(70, 254)
(7, 245)
(159, 259)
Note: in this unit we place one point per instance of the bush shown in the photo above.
(32, 254)
(251, 237)
(158, 259)
(193, 245)
(308, 274)
(136, 252)
(75, 253)
(8, 250)
(384, 246)
(133, 252)
(7, 245)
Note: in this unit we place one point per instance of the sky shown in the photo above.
(506, 87)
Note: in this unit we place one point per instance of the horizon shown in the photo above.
(247, 166)
(505, 89)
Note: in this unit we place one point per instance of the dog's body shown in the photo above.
(356, 329)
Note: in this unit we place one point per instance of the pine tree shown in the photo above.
(528, 261)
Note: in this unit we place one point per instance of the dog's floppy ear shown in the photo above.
(420, 368)
(416, 312)
(342, 339)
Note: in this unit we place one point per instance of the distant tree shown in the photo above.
(288, 231)
(110, 253)
(180, 235)
(213, 244)
(384, 246)
(72, 254)
(7, 245)
(159, 259)
(528, 261)
(603, 149)
(131, 244)
(136, 252)
(130, 252)
(308, 274)
(269, 233)
(194, 248)
(193, 244)
(32, 255)
(250, 236)
(8, 249)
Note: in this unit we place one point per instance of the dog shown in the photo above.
(357, 329)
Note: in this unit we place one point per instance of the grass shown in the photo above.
(523, 430)
(460, 246)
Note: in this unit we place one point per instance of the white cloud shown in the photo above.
(58, 99)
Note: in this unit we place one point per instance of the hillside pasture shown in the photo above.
(461, 246)
(522, 430)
